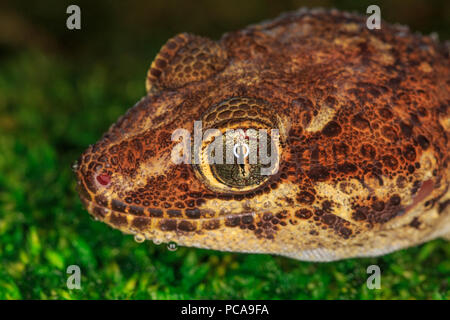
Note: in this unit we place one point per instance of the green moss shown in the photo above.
(49, 112)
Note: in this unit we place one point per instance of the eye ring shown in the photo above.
(234, 122)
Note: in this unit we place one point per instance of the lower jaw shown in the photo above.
(157, 229)
(217, 233)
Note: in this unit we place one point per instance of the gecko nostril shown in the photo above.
(104, 179)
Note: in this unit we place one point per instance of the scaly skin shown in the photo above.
(364, 127)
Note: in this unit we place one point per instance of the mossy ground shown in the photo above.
(50, 111)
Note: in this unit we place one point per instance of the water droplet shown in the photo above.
(172, 246)
(139, 238)
(157, 241)
(75, 166)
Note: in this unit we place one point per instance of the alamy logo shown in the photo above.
(374, 20)
(74, 20)
(74, 280)
(374, 280)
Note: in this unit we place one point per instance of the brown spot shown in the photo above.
(186, 226)
(368, 151)
(83, 192)
(443, 206)
(303, 214)
(139, 211)
(160, 63)
(168, 225)
(267, 216)
(340, 149)
(318, 212)
(247, 219)
(345, 232)
(406, 129)
(329, 218)
(99, 212)
(359, 122)
(232, 221)
(332, 129)
(90, 184)
(193, 213)
(378, 206)
(395, 200)
(401, 182)
(118, 205)
(389, 133)
(157, 213)
(117, 220)
(390, 161)
(415, 223)
(211, 224)
(174, 213)
(305, 197)
(410, 153)
(140, 223)
(155, 72)
(386, 113)
(423, 142)
(318, 173)
(346, 167)
(326, 206)
(360, 213)
(101, 200)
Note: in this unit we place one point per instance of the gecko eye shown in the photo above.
(240, 147)
(244, 165)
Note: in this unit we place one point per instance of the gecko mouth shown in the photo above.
(156, 221)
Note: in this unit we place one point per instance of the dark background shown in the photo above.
(111, 29)
(60, 90)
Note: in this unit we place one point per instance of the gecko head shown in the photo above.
(170, 164)
(354, 162)
(166, 171)
(176, 156)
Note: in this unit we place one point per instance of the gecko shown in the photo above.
(362, 157)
